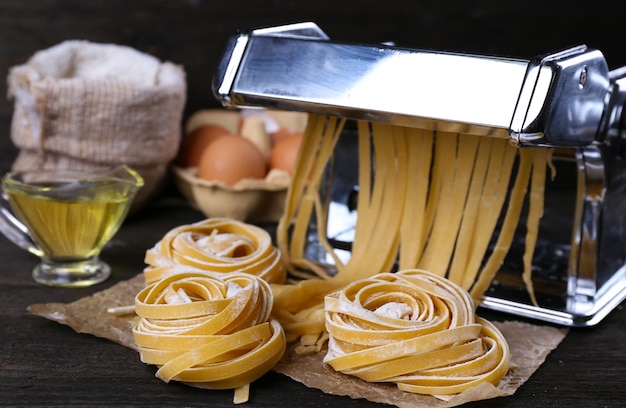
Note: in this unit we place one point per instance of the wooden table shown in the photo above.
(47, 364)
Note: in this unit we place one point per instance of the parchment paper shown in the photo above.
(529, 345)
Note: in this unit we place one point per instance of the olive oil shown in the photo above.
(65, 217)
(68, 225)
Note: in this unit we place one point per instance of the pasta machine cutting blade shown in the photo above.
(567, 100)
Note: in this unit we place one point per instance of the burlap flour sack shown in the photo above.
(86, 105)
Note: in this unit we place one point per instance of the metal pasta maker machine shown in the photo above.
(568, 100)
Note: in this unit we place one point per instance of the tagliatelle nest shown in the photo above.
(529, 345)
(218, 245)
(415, 329)
(212, 331)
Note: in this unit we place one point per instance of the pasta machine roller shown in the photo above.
(567, 100)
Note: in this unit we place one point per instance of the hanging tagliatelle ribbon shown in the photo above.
(415, 329)
(209, 330)
(217, 245)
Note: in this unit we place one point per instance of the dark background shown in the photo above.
(192, 33)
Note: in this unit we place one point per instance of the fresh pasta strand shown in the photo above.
(307, 293)
(312, 197)
(450, 210)
(382, 221)
(535, 213)
(378, 219)
(320, 138)
(306, 155)
(492, 199)
(298, 306)
(428, 200)
(464, 244)
(508, 227)
(413, 238)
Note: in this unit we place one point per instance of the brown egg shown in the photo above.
(282, 133)
(231, 158)
(196, 141)
(285, 152)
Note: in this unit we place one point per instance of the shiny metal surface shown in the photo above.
(568, 100)
(579, 267)
(562, 100)
(552, 100)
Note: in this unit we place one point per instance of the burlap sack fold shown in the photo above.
(86, 105)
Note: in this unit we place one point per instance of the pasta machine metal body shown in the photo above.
(568, 100)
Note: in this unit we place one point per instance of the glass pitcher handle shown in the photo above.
(14, 230)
